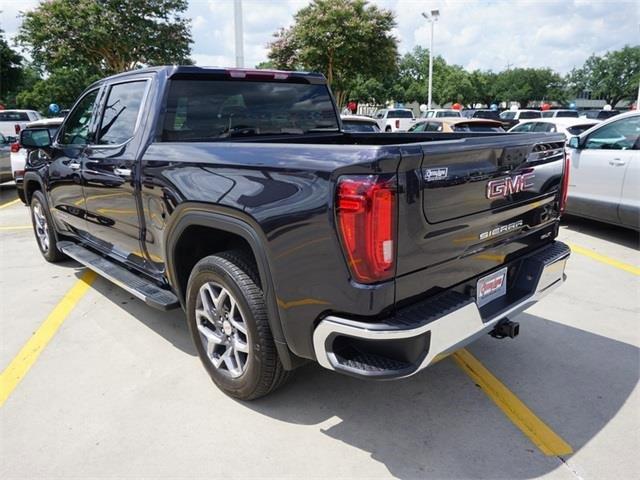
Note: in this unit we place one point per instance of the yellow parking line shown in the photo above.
(8, 204)
(20, 365)
(14, 227)
(549, 442)
(604, 259)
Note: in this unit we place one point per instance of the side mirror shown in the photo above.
(574, 142)
(35, 138)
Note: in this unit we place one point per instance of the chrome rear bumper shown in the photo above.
(423, 333)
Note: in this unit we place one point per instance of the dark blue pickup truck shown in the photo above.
(236, 195)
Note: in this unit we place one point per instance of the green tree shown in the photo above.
(413, 71)
(344, 39)
(15, 75)
(526, 84)
(453, 84)
(450, 83)
(62, 87)
(612, 77)
(372, 90)
(484, 86)
(107, 36)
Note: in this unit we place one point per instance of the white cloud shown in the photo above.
(488, 34)
(198, 22)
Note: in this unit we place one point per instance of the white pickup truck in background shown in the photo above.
(10, 118)
(394, 119)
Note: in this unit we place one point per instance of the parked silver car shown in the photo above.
(604, 182)
(5, 159)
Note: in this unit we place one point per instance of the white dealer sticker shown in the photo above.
(491, 287)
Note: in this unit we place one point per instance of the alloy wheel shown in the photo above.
(222, 329)
(41, 226)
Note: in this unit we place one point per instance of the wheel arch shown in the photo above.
(225, 222)
(30, 183)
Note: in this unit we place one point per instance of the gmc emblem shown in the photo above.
(509, 185)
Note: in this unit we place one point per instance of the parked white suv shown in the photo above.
(441, 113)
(394, 119)
(10, 118)
(520, 114)
(604, 181)
(560, 113)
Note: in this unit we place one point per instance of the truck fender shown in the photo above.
(234, 222)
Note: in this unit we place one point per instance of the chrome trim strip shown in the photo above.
(448, 333)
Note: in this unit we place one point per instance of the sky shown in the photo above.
(494, 35)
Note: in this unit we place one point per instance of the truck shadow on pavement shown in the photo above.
(170, 325)
(611, 233)
(8, 192)
(439, 424)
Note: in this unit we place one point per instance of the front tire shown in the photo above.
(44, 229)
(227, 318)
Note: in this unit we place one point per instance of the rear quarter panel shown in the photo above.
(287, 190)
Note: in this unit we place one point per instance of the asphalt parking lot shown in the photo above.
(118, 392)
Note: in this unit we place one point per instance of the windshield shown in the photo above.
(400, 114)
(359, 126)
(14, 116)
(508, 115)
(448, 113)
(486, 114)
(477, 127)
(578, 129)
(205, 110)
(567, 113)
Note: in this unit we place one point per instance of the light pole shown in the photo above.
(237, 10)
(432, 18)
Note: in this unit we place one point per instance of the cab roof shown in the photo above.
(229, 72)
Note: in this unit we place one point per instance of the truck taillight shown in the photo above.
(564, 187)
(397, 123)
(366, 212)
(15, 147)
(16, 127)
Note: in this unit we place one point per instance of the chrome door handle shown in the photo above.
(617, 162)
(74, 166)
(123, 172)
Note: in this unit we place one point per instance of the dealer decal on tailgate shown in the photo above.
(491, 287)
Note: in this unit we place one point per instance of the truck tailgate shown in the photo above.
(468, 205)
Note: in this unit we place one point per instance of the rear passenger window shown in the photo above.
(14, 117)
(524, 127)
(121, 113)
(544, 127)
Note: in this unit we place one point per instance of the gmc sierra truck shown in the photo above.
(236, 195)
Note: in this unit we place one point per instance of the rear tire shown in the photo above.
(227, 318)
(387, 130)
(43, 229)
